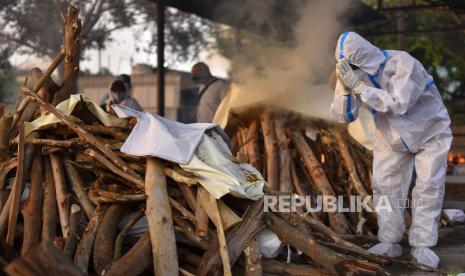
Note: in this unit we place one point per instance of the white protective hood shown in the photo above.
(358, 51)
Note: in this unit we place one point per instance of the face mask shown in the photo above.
(197, 80)
(119, 97)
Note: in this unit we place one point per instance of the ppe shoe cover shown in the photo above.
(426, 256)
(388, 249)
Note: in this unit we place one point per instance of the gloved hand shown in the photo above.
(347, 76)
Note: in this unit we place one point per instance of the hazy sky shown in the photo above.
(117, 56)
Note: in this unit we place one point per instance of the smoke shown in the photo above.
(266, 69)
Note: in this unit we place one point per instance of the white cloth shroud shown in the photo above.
(455, 215)
(206, 155)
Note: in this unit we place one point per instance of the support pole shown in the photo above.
(161, 57)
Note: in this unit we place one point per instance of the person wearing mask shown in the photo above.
(412, 134)
(126, 79)
(211, 92)
(119, 95)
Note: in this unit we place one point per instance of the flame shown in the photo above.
(322, 158)
(456, 158)
(451, 156)
(460, 159)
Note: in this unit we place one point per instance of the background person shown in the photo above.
(119, 95)
(211, 92)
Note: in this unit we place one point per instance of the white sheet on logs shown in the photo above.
(205, 154)
(67, 107)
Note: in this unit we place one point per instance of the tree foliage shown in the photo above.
(35, 26)
(431, 35)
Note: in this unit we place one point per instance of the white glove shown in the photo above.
(347, 76)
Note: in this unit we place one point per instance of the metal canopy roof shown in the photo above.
(281, 15)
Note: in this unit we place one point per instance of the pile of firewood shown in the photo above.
(308, 157)
(80, 186)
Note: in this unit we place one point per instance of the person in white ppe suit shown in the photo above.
(412, 133)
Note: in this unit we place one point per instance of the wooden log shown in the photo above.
(44, 259)
(37, 86)
(271, 154)
(139, 183)
(320, 227)
(55, 143)
(160, 220)
(135, 217)
(74, 231)
(17, 189)
(252, 146)
(222, 245)
(50, 208)
(285, 177)
(181, 209)
(102, 196)
(201, 217)
(321, 256)
(72, 41)
(236, 238)
(33, 206)
(77, 185)
(228, 217)
(82, 133)
(183, 227)
(5, 124)
(5, 168)
(7, 253)
(350, 166)
(296, 182)
(278, 268)
(48, 89)
(85, 245)
(106, 236)
(188, 195)
(177, 177)
(337, 220)
(61, 192)
(3, 198)
(135, 261)
(253, 258)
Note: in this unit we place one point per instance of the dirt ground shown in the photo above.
(450, 249)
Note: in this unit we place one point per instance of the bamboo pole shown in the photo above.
(160, 220)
